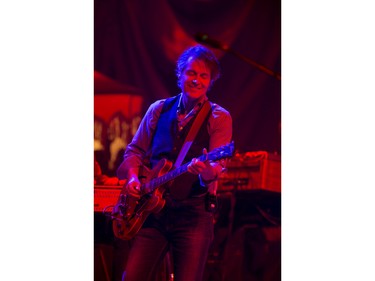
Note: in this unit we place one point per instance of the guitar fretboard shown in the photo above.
(217, 154)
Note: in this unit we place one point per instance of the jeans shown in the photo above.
(183, 227)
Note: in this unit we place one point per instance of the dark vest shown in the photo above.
(167, 143)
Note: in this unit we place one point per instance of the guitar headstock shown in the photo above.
(225, 151)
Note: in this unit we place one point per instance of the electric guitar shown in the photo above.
(130, 212)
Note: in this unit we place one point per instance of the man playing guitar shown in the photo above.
(170, 210)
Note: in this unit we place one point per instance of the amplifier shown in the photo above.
(105, 197)
(257, 170)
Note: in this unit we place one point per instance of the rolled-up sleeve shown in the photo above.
(220, 131)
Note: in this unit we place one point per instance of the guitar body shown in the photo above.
(131, 212)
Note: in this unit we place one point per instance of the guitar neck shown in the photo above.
(217, 154)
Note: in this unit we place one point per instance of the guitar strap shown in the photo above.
(193, 132)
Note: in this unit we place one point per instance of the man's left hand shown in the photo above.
(204, 168)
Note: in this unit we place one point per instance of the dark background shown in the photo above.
(138, 42)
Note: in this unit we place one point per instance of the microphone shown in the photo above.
(204, 39)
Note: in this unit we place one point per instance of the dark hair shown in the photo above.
(203, 54)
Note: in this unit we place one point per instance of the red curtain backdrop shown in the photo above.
(137, 43)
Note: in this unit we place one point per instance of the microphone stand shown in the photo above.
(255, 64)
(215, 44)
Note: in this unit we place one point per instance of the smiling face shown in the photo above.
(195, 79)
